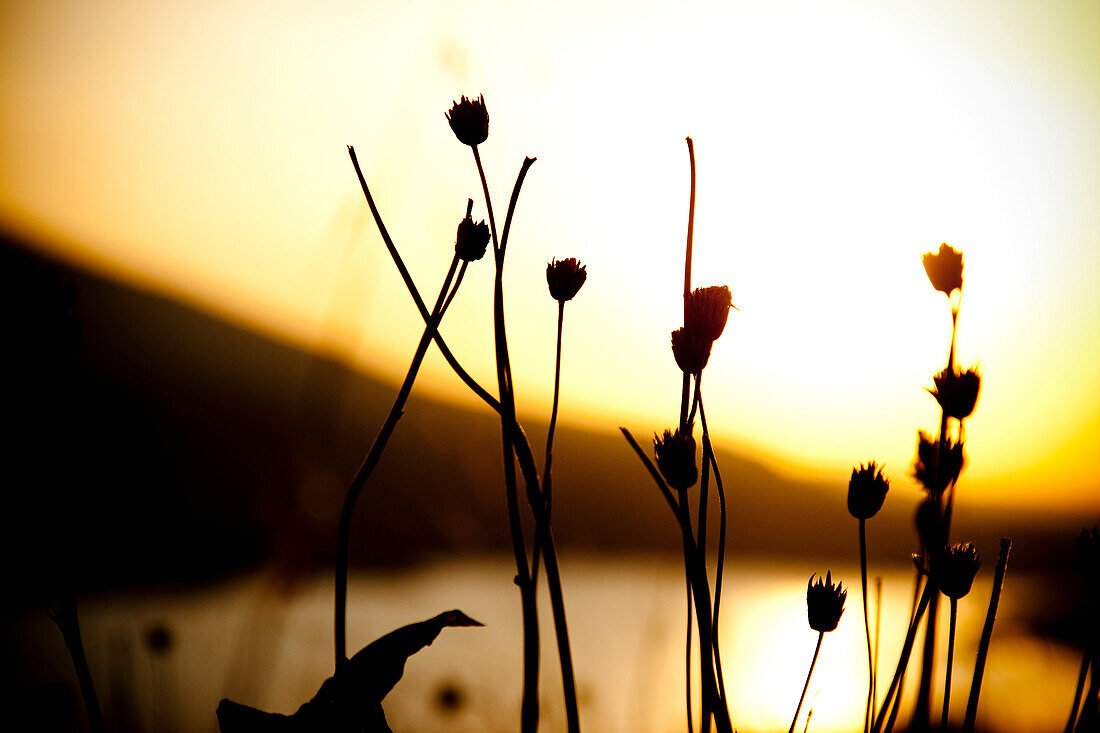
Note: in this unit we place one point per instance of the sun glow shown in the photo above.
(198, 149)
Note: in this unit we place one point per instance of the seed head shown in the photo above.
(935, 471)
(954, 569)
(866, 491)
(469, 120)
(675, 453)
(957, 392)
(565, 278)
(690, 351)
(824, 602)
(471, 238)
(706, 311)
(944, 268)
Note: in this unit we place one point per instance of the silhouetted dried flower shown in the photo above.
(469, 120)
(824, 603)
(957, 392)
(675, 453)
(936, 472)
(866, 491)
(565, 278)
(944, 268)
(690, 351)
(1086, 556)
(954, 569)
(472, 239)
(706, 311)
(929, 523)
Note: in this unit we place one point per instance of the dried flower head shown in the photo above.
(472, 238)
(929, 522)
(706, 311)
(1086, 557)
(866, 491)
(824, 603)
(469, 120)
(935, 471)
(944, 268)
(565, 278)
(675, 453)
(690, 351)
(957, 392)
(954, 569)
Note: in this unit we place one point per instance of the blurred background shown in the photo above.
(175, 177)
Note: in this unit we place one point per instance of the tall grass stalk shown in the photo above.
(63, 613)
(950, 659)
(343, 533)
(987, 634)
(868, 709)
(903, 662)
(535, 496)
(798, 709)
(1077, 694)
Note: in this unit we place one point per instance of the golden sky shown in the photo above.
(198, 149)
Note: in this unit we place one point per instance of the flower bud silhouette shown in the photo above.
(866, 491)
(957, 392)
(954, 570)
(469, 120)
(824, 603)
(944, 269)
(706, 311)
(471, 238)
(675, 453)
(691, 352)
(935, 471)
(565, 278)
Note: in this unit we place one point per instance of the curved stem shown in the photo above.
(343, 532)
(488, 201)
(687, 654)
(708, 449)
(687, 276)
(1077, 695)
(868, 711)
(64, 614)
(399, 263)
(797, 710)
(950, 659)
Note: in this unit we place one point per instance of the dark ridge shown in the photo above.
(161, 444)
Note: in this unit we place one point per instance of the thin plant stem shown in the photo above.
(1077, 695)
(543, 533)
(546, 488)
(903, 661)
(666, 492)
(901, 684)
(425, 315)
(65, 616)
(950, 659)
(488, 201)
(868, 710)
(987, 635)
(374, 454)
(529, 714)
(708, 450)
(922, 715)
(687, 654)
(684, 394)
(797, 710)
(878, 639)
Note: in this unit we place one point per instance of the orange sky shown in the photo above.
(198, 149)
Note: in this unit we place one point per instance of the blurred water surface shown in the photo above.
(268, 643)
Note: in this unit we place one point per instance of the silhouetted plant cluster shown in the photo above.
(469, 120)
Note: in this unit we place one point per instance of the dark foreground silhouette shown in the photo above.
(351, 700)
